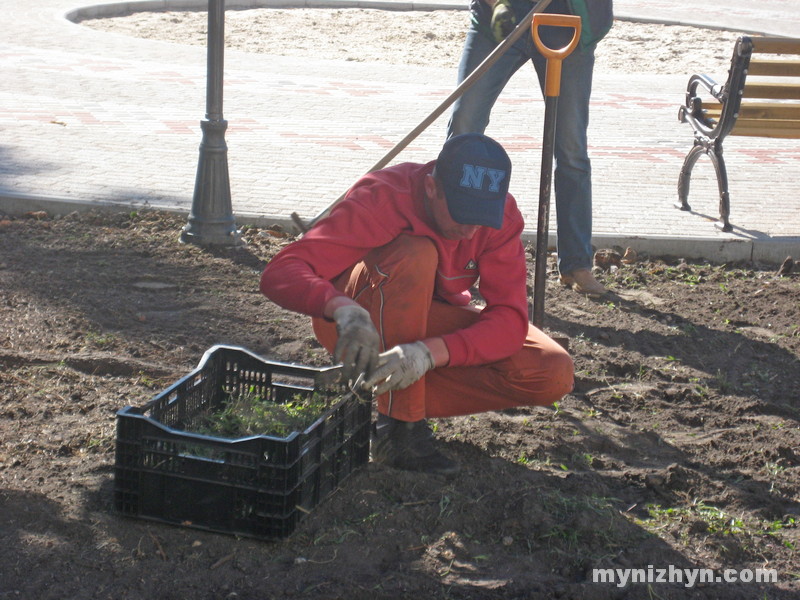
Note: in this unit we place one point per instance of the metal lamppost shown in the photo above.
(211, 221)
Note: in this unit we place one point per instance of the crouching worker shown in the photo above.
(386, 278)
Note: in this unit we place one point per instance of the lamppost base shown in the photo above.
(211, 222)
(211, 234)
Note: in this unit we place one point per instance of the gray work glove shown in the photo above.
(399, 367)
(503, 20)
(358, 345)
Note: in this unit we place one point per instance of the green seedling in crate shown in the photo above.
(249, 414)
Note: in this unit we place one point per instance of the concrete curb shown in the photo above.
(713, 250)
(20, 204)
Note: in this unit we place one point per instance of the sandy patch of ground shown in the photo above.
(424, 38)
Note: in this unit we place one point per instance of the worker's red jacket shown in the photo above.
(378, 208)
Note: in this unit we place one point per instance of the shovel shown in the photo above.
(551, 92)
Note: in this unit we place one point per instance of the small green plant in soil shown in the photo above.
(248, 414)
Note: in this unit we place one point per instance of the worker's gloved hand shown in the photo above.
(503, 20)
(358, 344)
(399, 367)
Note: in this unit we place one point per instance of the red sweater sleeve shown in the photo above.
(299, 276)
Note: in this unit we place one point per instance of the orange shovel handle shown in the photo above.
(554, 56)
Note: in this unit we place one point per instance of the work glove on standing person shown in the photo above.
(503, 20)
(399, 367)
(358, 344)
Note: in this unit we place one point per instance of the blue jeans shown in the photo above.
(573, 173)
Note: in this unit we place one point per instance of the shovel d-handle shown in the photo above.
(554, 56)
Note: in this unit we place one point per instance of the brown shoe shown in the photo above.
(583, 282)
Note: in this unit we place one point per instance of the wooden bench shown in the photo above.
(761, 98)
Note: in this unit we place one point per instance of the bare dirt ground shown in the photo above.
(677, 448)
(679, 445)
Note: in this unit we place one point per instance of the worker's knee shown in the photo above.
(562, 376)
(546, 376)
(409, 261)
(405, 250)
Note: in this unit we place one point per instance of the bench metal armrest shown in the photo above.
(692, 111)
(711, 86)
(706, 129)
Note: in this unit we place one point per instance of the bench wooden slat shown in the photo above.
(775, 91)
(756, 127)
(774, 67)
(759, 110)
(768, 111)
(779, 128)
(776, 45)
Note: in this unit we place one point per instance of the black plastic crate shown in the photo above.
(259, 486)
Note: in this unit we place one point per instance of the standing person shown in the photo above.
(492, 21)
(386, 278)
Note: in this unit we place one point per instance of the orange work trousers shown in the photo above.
(395, 283)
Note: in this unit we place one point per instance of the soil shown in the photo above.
(678, 446)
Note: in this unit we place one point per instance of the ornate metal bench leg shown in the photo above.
(722, 183)
(725, 211)
(686, 175)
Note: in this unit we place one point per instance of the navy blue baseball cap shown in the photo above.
(474, 171)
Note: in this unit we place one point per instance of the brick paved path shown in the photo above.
(95, 117)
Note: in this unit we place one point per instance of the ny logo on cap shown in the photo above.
(473, 177)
